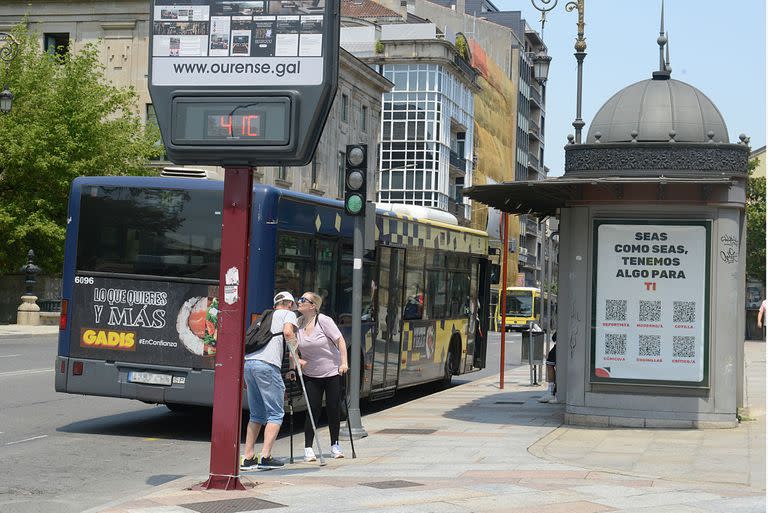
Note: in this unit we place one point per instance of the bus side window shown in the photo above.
(414, 284)
(343, 289)
(325, 278)
(294, 269)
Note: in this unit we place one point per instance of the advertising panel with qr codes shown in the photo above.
(142, 321)
(650, 302)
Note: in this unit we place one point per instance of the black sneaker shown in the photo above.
(268, 463)
(250, 463)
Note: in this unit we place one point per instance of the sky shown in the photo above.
(717, 46)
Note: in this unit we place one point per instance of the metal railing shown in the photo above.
(533, 161)
(458, 209)
(535, 96)
(533, 128)
(458, 161)
(466, 68)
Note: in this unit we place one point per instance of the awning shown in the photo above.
(543, 197)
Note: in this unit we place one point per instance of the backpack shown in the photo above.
(259, 334)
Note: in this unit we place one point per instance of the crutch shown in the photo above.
(343, 399)
(290, 412)
(306, 400)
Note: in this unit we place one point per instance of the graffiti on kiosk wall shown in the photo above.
(649, 302)
(729, 252)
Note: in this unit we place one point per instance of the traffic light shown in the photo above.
(355, 183)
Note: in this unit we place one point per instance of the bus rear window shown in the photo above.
(160, 232)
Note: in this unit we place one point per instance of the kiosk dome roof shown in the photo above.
(655, 107)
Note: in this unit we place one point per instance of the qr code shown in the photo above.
(616, 343)
(684, 311)
(650, 345)
(650, 311)
(615, 309)
(683, 347)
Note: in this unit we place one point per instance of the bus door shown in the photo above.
(386, 358)
(483, 268)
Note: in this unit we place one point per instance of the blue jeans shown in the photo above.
(266, 392)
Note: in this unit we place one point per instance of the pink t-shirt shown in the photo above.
(319, 349)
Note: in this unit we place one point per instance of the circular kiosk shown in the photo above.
(652, 266)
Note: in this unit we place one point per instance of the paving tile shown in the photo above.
(649, 500)
(754, 504)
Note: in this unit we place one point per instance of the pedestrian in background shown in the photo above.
(266, 389)
(550, 396)
(324, 353)
(761, 314)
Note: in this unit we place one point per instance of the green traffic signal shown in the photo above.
(354, 204)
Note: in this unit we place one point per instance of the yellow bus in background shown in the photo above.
(522, 307)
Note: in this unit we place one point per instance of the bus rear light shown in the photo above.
(63, 317)
(63, 367)
(77, 369)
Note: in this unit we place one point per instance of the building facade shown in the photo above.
(427, 125)
(508, 40)
(121, 29)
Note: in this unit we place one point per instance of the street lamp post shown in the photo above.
(541, 61)
(8, 49)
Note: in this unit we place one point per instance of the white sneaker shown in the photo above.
(336, 451)
(547, 398)
(554, 400)
(309, 454)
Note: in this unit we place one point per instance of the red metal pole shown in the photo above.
(505, 252)
(233, 288)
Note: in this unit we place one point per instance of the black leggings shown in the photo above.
(315, 388)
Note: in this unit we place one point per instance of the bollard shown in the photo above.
(28, 312)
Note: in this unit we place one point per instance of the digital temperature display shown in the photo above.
(236, 121)
(233, 126)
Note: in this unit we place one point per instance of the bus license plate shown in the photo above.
(150, 378)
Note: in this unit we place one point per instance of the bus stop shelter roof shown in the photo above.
(543, 197)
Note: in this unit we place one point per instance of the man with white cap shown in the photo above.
(266, 390)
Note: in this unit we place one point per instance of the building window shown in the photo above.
(364, 119)
(342, 162)
(344, 108)
(56, 43)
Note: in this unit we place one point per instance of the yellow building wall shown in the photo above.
(495, 132)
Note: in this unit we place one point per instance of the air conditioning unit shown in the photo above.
(523, 251)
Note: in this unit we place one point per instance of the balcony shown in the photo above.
(533, 128)
(465, 67)
(536, 96)
(533, 162)
(459, 163)
(458, 209)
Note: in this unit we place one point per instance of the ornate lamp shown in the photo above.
(6, 100)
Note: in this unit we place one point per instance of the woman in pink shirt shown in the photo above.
(324, 352)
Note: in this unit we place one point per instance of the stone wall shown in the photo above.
(12, 287)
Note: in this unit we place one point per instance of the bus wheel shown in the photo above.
(451, 363)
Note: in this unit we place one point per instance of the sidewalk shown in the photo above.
(16, 330)
(480, 449)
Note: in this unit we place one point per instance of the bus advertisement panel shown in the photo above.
(166, 323)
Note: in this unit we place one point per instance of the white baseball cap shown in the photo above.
(283, 296)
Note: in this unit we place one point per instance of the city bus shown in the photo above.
(140, 287)
(522, 307)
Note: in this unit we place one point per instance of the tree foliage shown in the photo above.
(66, 121)
(756, 225)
